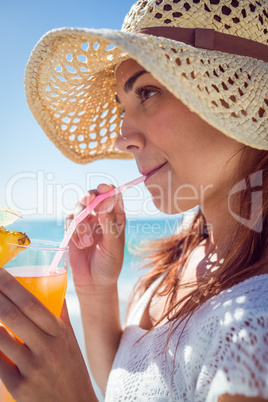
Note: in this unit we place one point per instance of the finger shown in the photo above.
(80, 238)
(115, 202)
(112, 226)
(83, 234)
(86, 232)
(9, 373)
(103, 188)
(105, 206)
(118, 200)
(78, 208)
(119, 209)
(113, 207)
(89, 197)
(65, 315)
(112, 221)
(13, 348)
(67, 221)
(25, 330)
(22, 312)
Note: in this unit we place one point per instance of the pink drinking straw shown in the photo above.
(79, 218)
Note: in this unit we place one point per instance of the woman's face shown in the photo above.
(192, 162)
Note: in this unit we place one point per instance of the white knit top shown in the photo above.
(223, 349)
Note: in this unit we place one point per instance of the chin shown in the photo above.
(171, 208)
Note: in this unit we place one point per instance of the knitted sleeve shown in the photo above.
(237, 359)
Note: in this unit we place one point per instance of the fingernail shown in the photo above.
(89, 196)
(87, 199)
(110, 205)
(87, 240)
(107, 206)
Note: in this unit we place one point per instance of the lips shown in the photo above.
(150, 172)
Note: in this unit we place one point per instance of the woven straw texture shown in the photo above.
(70, 84)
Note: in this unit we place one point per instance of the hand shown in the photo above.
(97, 247)
(48, 366)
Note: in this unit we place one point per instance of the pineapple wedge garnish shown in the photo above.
(9, 241)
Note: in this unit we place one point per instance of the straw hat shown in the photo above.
(211, 54)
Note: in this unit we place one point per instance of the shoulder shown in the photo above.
(239, 320)
(248, 295)
(234, 305)
(235, 326)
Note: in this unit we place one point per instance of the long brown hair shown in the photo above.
(245, 257)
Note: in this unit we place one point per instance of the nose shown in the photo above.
(130, 138)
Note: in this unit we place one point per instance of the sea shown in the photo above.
(138, 233)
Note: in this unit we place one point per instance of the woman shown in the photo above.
(190, 105)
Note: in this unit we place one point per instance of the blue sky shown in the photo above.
(35, 177)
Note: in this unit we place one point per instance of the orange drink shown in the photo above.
(31, 268)
(49, 288)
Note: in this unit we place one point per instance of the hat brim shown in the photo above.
(70, 88)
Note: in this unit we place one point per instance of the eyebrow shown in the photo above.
(128, 86)
(131, 81)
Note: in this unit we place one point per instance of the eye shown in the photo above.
(144, 93)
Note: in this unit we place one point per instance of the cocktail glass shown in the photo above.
(31, 267)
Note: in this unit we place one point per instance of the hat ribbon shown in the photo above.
(210, 39)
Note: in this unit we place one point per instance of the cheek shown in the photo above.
(176, 130)
(164, 132)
